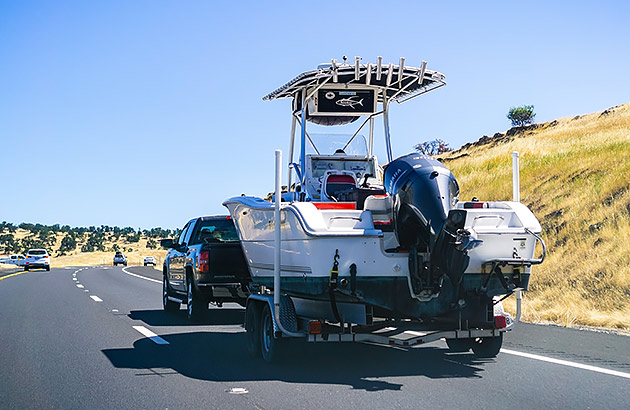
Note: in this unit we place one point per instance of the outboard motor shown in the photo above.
(424, 192)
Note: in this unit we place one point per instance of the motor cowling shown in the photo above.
(424, 191)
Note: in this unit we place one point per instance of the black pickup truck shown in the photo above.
(205, 264)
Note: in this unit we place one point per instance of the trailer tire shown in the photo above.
(459, 345)
(270, 347)
(487, 347)
(252, 324)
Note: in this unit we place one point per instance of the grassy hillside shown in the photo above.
(135, 249)
(575, 177)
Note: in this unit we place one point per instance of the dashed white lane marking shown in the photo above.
(96, 298)
(237, 390)
(75, 279)
(155, 338)
(567, 363)
(141, 277)
(80, 286)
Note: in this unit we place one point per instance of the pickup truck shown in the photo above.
(205, 264)
(18, 260)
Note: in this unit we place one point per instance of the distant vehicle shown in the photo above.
(37, 258)
(120, 258)
(205, 264)
(17, 259)
(149, 260)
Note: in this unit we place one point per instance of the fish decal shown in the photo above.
(349, 102)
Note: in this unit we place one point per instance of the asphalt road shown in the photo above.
(80, 338)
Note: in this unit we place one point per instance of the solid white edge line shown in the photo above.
(141, 277)
(96, 298)
(567, 363)
(155, 338)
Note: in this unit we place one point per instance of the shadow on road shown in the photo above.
(217, 356)
(218, 316)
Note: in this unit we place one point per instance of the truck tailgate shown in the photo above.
(227, 262)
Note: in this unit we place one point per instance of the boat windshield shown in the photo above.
(329, 144)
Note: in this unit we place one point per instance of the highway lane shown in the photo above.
(61, 347)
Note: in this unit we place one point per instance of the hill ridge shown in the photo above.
(574, 177)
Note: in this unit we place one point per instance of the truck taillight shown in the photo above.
(204, 259)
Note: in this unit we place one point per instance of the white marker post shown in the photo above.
(278, 244)
(277, 237)
(516, 197)
(516, 179)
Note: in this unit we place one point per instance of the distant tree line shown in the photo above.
(91, 238)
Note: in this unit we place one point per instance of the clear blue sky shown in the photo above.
(147, 113)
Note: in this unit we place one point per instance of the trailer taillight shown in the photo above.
(500, 322)
(314, 327)
(204, 259)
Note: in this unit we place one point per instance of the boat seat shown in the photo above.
(339, 186)
(382, 209)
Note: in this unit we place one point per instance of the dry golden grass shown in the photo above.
(575, 178)
(77, 258)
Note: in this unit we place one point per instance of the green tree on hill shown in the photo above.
(521, 115)
(434, 147)
(68, 244)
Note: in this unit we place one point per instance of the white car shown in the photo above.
(37, 258)
(18, 260)
(149, 260)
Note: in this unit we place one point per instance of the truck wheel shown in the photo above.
(270, 347)
(252, 323)
(459, 345)
(25, 268)
(487, 347)
(48, 268)
(169, 305)
(195, 305)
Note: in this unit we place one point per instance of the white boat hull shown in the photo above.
(310, 239)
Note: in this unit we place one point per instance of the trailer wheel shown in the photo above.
(252, 324)
(270, 347)
(487, 347)
(459, 345)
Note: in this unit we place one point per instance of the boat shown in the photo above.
(360, 239)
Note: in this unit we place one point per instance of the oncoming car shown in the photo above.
(120, 258)
(37, 258)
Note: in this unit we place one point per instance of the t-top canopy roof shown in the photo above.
(399, 82)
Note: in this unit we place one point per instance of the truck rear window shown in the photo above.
(215, 230)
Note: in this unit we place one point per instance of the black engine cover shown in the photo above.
(424, 192)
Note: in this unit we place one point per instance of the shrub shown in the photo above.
(521, 115)
(434, 147)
